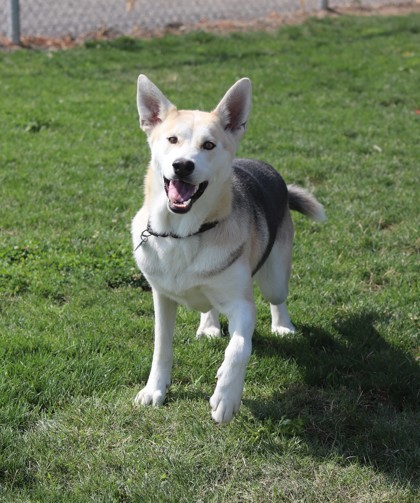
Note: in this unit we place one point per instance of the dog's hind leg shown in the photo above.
(209, 325)
(280, 320)
(273, 278)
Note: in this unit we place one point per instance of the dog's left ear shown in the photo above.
(153, 106)
(234, 108)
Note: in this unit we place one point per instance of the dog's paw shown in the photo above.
(223, 406)
(209, 332)
(283, 330)
(280, 320)
(226, 398)
(150, 396)
(209, 325)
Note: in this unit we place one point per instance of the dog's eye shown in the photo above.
(173, 140)
(208, 145)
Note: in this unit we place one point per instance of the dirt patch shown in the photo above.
(270, 23)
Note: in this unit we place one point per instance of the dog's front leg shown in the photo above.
(160, 374)
(226, 399)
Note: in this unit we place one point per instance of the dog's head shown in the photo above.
(192, 151)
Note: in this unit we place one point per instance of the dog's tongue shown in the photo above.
(179, 191)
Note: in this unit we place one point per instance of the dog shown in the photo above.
(210, 225)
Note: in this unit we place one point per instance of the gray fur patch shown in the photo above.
(259, 187)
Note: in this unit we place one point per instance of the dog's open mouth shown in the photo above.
(181, 195)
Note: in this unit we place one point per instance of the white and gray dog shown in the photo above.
(210, 225)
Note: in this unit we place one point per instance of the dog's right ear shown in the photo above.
(152, 104)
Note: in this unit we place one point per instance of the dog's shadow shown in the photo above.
(359, 396)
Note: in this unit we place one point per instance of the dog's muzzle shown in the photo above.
(181, 194)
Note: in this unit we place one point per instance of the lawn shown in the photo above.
(329, 413)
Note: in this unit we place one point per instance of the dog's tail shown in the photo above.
(302, 201)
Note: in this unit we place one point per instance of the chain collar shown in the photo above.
(145, 235)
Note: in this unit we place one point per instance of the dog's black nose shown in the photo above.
(183, 167)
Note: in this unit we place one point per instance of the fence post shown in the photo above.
(15, 21)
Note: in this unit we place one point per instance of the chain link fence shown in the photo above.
(80, 18)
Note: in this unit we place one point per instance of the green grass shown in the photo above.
(330, 413)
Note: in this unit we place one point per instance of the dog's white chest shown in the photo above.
(172, 267)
